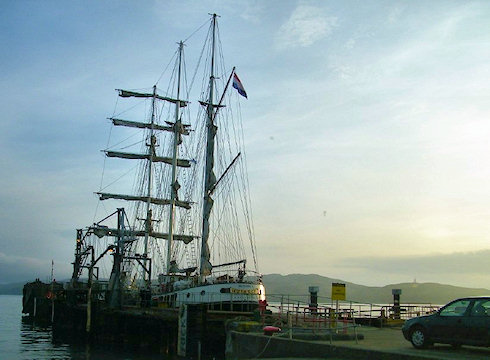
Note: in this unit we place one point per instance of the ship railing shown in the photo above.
(222, 276)
(218, 277)
(213, 301)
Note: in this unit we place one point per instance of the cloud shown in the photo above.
(457, 268)
(344, 72)
(252, 11)
(395, 13)
(24, 268)
(306, 25)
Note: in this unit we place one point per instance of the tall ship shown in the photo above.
(182, 231)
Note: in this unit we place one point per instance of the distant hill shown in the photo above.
(16, 288)
(11, 289)
(297, 284)
(426, 293)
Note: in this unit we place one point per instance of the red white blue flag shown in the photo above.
(237, 84)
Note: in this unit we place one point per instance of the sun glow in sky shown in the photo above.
(367, 126)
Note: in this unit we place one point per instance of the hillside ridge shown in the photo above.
(426, 293)
(296, 285)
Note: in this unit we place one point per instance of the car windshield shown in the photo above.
(457, 308)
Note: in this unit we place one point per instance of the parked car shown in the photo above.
(463, 321)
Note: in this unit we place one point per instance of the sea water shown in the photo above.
(21, 340)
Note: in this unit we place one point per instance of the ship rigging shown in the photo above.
(185, 233)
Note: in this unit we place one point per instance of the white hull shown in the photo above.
(222, 296)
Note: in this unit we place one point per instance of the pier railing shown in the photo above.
(301, 321)
(327, 309)
(328, 321)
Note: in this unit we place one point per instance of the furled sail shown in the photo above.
(154, 158)
(210, 181)
(152, 200)
(206, 266)
(106, 231)
(127, 93)
(140, 125)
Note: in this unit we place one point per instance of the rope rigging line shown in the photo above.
(247, 201)
(130, 145)
(231, 214)
(119, 178)
(130, 108)
(205, 46)
(164, 70)
(195, 31)
(105, 159)
(124, 140)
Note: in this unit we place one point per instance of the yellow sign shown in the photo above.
(338, 291)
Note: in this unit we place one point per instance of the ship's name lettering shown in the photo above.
(244, 291)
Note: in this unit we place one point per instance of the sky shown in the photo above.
(367, 127)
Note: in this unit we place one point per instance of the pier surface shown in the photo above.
(378, 344)
(391, 341)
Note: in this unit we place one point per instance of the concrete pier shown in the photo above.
(378, 344)
(154, 328)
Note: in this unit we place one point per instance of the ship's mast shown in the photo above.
(151, 153)
(174, 185)
(210, 178)
(150, 157)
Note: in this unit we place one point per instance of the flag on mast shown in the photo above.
(237, 84)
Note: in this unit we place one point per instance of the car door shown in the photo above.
(478, 323)
(450, 326)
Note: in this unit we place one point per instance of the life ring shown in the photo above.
(269, 330)
(49, 295)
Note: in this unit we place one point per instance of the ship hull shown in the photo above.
(227, 296)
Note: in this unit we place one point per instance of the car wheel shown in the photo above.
(418, 338)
